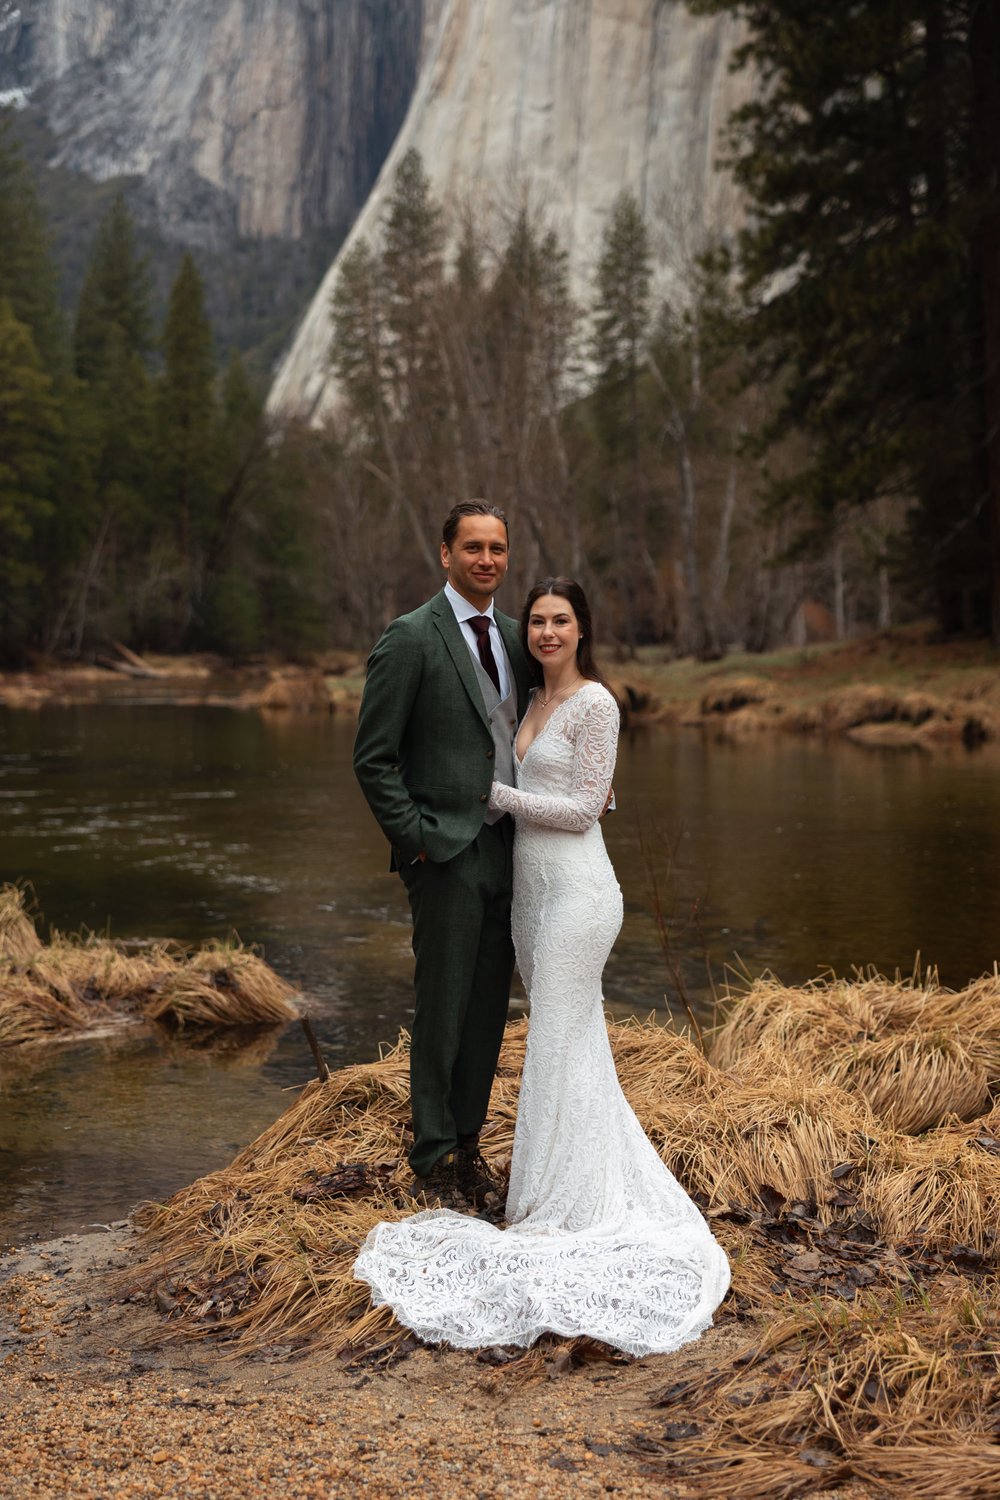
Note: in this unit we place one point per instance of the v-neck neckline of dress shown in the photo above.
(520, 759)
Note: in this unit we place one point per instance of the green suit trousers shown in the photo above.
(464, 963)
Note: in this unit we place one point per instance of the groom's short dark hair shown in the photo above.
(453, 519)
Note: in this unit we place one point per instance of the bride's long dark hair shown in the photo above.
(570, 590)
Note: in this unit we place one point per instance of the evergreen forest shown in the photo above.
(733, 440)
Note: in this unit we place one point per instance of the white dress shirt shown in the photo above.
(464, 611)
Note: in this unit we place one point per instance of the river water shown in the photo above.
(148, 819)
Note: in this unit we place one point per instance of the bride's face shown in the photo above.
(553, 631)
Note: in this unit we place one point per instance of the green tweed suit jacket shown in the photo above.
(424, 748)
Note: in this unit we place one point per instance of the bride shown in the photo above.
(602, 1240)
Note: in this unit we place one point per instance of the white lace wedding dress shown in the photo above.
(602, 1241)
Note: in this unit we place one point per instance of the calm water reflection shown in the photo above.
(180, 822)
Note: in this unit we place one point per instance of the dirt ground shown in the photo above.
(95, 1404)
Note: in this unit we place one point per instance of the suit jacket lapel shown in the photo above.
(451, 634)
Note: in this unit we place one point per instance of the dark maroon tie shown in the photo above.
(481, 625)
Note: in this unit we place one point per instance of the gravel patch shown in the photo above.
(96, 1403)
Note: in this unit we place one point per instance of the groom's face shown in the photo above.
(476, 561)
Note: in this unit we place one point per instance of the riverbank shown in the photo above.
(96, 1404)
(331, 682)
(898, 688)
(843, 1139)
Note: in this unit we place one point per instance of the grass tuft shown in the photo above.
(902, 1397)
(64, 986)
(18, 938)
(915, 1052)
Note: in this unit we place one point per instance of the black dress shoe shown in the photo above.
(475, 1180)
(440, 1186)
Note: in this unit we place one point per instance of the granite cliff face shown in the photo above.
(253, 118)
(267, 122)
(566, 101)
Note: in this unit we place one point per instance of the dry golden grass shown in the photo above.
(125, 976)
(278, 1277)
(71, 983)
(975, 1013)
(222, 984)
(866, 703)
(358, 1114)
(864, 1103)
(913, 1080)
(767, 1125)
(915, 1052)
(898, 1389)
(781, 1127)
(18, 938)
(730, 693)
(30, 1011)
(942, 1187)
(292, 691)
(897, 1395)
(293, 1260)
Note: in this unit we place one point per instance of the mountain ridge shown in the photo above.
(566, 103)
(231, 113)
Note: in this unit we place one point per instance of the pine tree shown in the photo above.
(243, 453)
(356, 348)
(622, 317)
(984, 47)
(520, 330)
(238, 558)
(113, 420)
(27, 274)
(28, 281)
(29, 431)
(411, 262)
(291, 584)
(468, 259)
(529, 314)
(856, 155)
(115, 295)
(120, 413)
(388, 348)
(186, 432)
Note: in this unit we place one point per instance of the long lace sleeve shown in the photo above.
(595, 740)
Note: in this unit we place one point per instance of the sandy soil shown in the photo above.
(95, 1403)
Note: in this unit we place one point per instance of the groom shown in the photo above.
(445, 689)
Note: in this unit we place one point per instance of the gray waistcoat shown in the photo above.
(503, 722)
